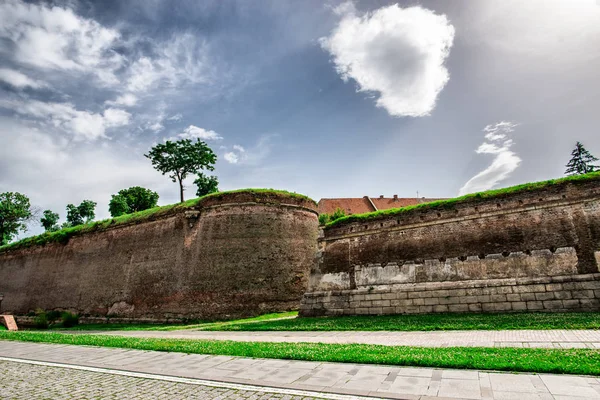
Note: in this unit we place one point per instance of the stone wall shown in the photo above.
(506, 242)
(232, 255)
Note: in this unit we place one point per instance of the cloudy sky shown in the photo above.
(329, 99)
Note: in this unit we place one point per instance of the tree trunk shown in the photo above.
(181, 190)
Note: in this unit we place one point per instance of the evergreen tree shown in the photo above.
(581, 161)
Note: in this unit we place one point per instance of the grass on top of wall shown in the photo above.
(567, 361)
(63, 235)
(426, 322)
(450, 203)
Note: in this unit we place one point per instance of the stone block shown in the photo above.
(432, 301)
(527, 296)
(529, 288)
(402, 295)
(425, 309)
(401, 303)
(513, 297)
(407, 310)
(544, 296)
(563, 295)
(366, 303)
(475, 307)
(418, 302)
(389, 310)
(587, 285)
(519, 306)
(389, 296)
(484, 299)
(582, 294)
(498, 298)
(440, 308)
(535, 305)
(373, 296)
(459, 308)
(492, 307)
(362, 311)
(450, 300)
(571, 304)
(554, 287)
(593, 304)
(553, 304)
(375, 311)
(468, 299)
(380, 303)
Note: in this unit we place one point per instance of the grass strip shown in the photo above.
(427, 322)
(567, 361)
(219, 325)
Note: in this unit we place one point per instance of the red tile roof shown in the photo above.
(368, 204)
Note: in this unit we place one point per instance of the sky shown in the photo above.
(328, 99)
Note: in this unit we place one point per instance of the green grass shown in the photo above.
(571, 361)
(63, 235)
(219, 325)
(427, 322)
(451, 203)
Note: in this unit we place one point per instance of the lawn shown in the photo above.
(427, 322)
(571, 361)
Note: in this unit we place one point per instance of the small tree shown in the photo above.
(50, 221)
(206, 185)
(181, 158)
(15, 211)
(581, 161)
(132, 200)
(78, 215)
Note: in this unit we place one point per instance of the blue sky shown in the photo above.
(329, 99)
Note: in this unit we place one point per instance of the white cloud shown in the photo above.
(177, 117)
(83, 125)
(239, 148)
(116, 117)
(505, 162)
(194, 132)
(127, 100)
(231, 157)
(56, 38)
(396, 52)
(19, 80)
(156, 126)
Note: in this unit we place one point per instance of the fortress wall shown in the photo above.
(233, 255)
(509, 241)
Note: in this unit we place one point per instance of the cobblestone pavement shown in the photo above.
(324, 378)
(31, 382)
(561, 339)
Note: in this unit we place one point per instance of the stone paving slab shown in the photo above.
(560, 339)
(341, 378)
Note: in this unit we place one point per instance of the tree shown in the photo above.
(180, 158)
(50, 221)
(132, 200)
(78, 215)
(581, 161)
(206, 185)
(15, 211)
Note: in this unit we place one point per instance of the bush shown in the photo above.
(323, 219)
(41, 319)
(52, 316)
(69, 319)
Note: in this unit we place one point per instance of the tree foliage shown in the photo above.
(326, 218)
(180, 158)
(206, 185)
(581, 161)
(78, 215)
(50, 221)
(15, 210)
(132, 200)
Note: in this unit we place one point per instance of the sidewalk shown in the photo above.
(349, 379)
(561, 339)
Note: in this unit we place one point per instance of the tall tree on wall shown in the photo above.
(15, 211)
(180, 158)
(78, 215)
(581, 161)
(206, 185)
(50, 221)
(132, 200)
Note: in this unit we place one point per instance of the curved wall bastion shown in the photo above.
(536, 249)
(232, 254)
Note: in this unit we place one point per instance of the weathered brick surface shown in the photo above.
(239, 256)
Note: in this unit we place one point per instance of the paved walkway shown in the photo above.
(561, 339)
(316, 377)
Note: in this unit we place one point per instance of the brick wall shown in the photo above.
(548, 233)
(234, 255)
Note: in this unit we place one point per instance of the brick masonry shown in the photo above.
(528, 251)
(557, 293)
(236, 254)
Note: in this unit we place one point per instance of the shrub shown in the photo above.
(323, 219)
(52, 316)
(41, 319)
(69, 319)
